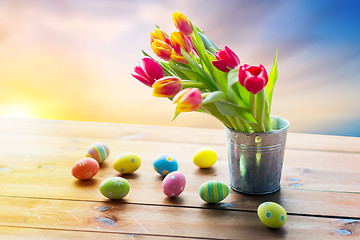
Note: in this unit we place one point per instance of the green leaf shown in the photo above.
(188, 72)
(269, 88)
(200, 48)
(230, 109)
(233, 77)
(242, 93)
(220, 76)
(206, 78)
(175, 115)
(146, 55)
(213, 97)
(209, 45)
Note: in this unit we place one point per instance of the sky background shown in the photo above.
(72, 60)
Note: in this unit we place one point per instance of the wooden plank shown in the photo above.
(28, 233)
(107, 131)
(117, 217)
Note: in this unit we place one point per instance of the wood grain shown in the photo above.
(31, 233)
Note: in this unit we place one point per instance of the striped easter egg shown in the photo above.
(98, 151)
(213, 191)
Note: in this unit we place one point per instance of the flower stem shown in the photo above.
(188, 84)
(235, 123)
(212, 110)
(252, 105)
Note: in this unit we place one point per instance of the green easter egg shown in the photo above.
(213, 191)
(115, 188)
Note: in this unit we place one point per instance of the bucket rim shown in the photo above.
(275, 131)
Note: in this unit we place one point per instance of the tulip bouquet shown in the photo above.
(198, 76)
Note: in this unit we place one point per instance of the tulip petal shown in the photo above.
(254, 84)
(221, 65)
(182, 23)
(161, 49)
(167, 87)
(188, 100)
(228, 58)
(146, 81)
(234, 58)
(152, 68)
(254, 70)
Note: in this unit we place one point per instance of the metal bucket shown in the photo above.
(256, 159)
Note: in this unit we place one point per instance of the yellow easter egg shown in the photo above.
(127, 163)
(204, 157)
(272, 214)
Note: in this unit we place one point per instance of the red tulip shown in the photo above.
(148, 71)
(226, 59)
(167, 87)
(253, 78)
(188, 99)
(182, 23)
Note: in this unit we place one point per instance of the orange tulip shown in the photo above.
(182, 23)
(188, 100)
(178, 41)
(161, 49)
(160, 35)
(178, 57)
(167, 87)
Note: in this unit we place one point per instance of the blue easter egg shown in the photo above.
(165, 164)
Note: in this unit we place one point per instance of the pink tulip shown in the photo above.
(253, 78)
(167, 87)
(148, 71)
(226, 59)
(188, 99)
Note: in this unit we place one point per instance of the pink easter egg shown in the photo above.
(85, 168)
(174, 184)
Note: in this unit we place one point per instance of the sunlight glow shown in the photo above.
(17, 111)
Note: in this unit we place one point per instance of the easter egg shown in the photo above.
(127, 163)
(165, 164)
(98, 151)
(204, 157)
(272, 214)
(115, 188)
(213, 191)
(174, 184)
(85, 168)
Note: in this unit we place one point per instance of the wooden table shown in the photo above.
(40, 199)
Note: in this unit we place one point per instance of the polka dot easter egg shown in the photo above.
(85, 168)
(213, 191)
(165, 164)
(174, 184)
(272, 214)
(115, 188)
(98, 151)
(204, 157)
(127, 163)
